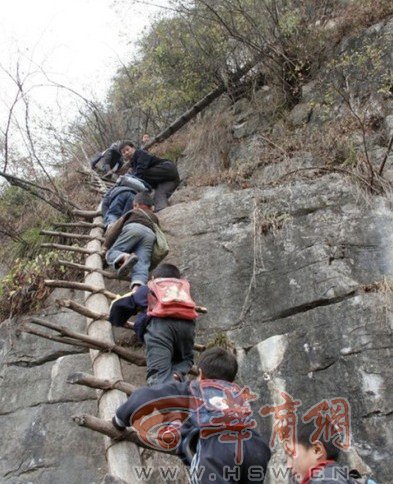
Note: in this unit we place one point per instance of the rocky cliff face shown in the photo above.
(298, 278)
(296, 273)
(296, 270)
(39, 442)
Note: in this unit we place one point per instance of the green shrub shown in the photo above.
(23, 288)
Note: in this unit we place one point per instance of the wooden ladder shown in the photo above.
(121, 448)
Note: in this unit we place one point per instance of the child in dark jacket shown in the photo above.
(169, 340)
(159, 173)
(208, 421)
(313, 460)
(110, 159)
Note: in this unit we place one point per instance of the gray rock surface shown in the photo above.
(40, 443)
(299, 279)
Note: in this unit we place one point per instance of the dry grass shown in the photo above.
(359, 15)
(221, 340)
(72, 184)
(233, 178)
(209, 142)
(173, 147)
(273, 223)
(384, 286)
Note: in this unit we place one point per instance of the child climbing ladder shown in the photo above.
(166, 323)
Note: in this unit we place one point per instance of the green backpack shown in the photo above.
(160, 248)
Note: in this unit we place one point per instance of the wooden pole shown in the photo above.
(87, 225)
(91, 381)
(68, 248)
(83, 310)
(69, 235)
(89, 214)
(81, 286)
(58, 339)
(122, 456)
(74, 265)
(95, 342)
(107, 428)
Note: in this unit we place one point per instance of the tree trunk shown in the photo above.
(199, 106)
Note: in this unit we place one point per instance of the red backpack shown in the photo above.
(170, 298)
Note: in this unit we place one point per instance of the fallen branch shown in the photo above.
(330, 170)
(74, 265)
(200, 105)
(69, 235)
(55, 200)
(80, 286)
(94, 343)
(69, 248)
(58, 339)
(91, 381)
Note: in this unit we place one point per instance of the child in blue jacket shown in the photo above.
(208, 421)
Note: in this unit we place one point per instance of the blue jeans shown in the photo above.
(135, 238)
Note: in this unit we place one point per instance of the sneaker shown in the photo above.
(128, 263)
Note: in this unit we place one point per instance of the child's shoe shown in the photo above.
(128, 263)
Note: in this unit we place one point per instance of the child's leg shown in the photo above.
(128, 238)
(143, 249)
(159, 352)
(184, 347)
(162, 193)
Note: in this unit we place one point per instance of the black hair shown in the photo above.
(305, 437)
(144, 199)
(125, 143)
(166, 270)
(218, 364)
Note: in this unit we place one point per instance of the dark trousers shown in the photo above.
(162, 192)
(169, 348)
